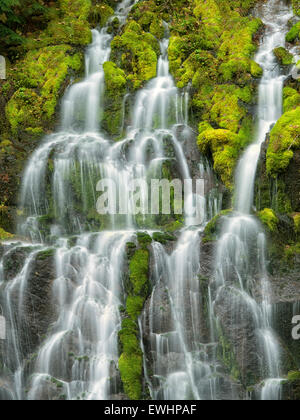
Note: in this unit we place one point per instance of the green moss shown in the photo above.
(41, 75)
(44, 255)
(5, 235)
(136, 53)
(296, 218)
(115, 82)
(226, 111)
(227, 356)
(291, 99)
(293, 376)
(285, 137)
(138, 289)
(224, 147)
(144, 239)
(269, 219)
(100, 13)
(255, 69)
(163, 237)
(213, 228)
(130, 366)
(69, 26)
(134, 306)
(294, 33)
(139, 272)
(296, 7)
(284, 57)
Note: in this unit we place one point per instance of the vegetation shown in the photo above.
(138, 289)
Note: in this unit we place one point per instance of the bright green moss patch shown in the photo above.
(41, 75)
(269, 219)
(284, 57)
(138, 289)
(213, 228)
(115, 82)
(224, 147)
(294, 376)
(291, 99)
(5, 235)
(255, 69)
(294, 33)
(131, 365)
(136, 52)
(100, 13)
(285, 137)
(296, 7)
(296, 218)
(139, 272)
(69, 25)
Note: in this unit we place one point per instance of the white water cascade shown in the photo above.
(79, 356)
(241, 249)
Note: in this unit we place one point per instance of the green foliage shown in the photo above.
(4, 235)
(212, 229)
(131, 360)
(41, 75)
(224, 146)
(115, 81)
(285, 137)
(294, 33)
(291, 99)
(284, 57)
(100, 13)
(296, 7)
(139, 272)
(269, 219)
(294, 376)
(15, 15)
(135, 52)
(130, 365)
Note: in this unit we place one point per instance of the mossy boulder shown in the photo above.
(284, 57)
(291, 99)
(294, 33)
(224, 146)
(4, 235)
(284, 139)
(136, 52)
(269, 219)
(100, 13)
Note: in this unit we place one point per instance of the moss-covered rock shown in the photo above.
(269, 219)
(138, 289)
(213, 228)
(4, 235)
(115, 82)
(294, 33)
(136, 52)
(284, 57)
(285, 138)
(224, 146)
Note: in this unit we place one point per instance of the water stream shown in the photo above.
(80, 353)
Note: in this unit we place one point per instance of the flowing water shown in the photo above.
(242, 244)
(80, 353)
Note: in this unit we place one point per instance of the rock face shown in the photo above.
(28, 308)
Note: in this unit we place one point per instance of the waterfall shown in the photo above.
(179, 328)
(79, 355)
(242, 243)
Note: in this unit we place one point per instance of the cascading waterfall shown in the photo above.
(80, 355)
(242, 244)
